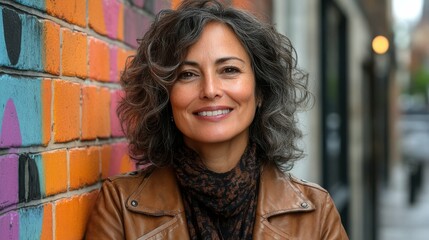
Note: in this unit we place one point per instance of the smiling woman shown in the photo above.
(210, 103)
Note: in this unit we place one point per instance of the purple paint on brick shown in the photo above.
(119, 150)
(114, 76)
(135, 25)
(111, 17)
(9, 226)
(10, 132)
(139, 3)
(114, 120)
(8, 180)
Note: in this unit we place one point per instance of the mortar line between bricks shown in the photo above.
(59, 146)
(34, 74)
(89, 31)
(54, 198)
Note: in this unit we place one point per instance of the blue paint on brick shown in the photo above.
(31, 51)
(26, 96)
(38, 4)
(40, 173)
(30, 222)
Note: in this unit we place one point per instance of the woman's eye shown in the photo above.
(231, 70)
(186, 75)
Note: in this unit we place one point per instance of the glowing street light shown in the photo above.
(380, 44)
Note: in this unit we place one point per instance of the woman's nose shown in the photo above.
(211, 87)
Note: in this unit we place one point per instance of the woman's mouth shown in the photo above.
(214, 113)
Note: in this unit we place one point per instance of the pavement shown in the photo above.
(398, 219)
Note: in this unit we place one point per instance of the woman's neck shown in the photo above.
(220, 157)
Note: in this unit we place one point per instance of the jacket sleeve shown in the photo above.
(332, 228)
(105, 221)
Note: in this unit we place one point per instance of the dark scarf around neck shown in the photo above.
(218, 205)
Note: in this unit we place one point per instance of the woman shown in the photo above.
(209, 109)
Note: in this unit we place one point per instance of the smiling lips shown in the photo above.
(214, 113)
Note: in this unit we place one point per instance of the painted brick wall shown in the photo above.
(60, 62)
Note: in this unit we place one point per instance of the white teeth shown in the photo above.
(213, 113)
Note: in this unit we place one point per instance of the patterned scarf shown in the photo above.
(219, 205)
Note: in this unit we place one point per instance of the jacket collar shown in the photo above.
(159, 194)
(277, 194)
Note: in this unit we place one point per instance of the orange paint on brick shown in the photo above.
(51, 47)
(55, 164)
(175, 3)
(71, 215)
(72, 11)
(122, 59)
(127, 165)
(84, 166)
(121, 22)
(66, 111)
(46, 111)
(74, 53)
(47, 233)
(90, 110)
(96, 16)
(103, 118)
(106, 156)
(99, 60)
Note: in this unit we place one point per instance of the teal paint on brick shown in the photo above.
(26, 96)
(41, 173)
(31, 47)
(30, 223)
(38, 4)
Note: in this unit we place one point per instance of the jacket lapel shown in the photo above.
(277, 196)
(158, 195)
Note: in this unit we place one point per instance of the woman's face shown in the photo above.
(213, 99)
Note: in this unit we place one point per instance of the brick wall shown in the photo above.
(60, 62)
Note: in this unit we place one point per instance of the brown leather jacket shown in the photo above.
(148, 205)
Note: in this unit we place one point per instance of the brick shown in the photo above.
(46, 111)
(175, 3)
(136, 25)
(51, 46)
(123, 56)
(115, 160)
(96, 16)
(22, 111)
(55, 168)
(115, 124)
(104, 113)
(21, 46)
(106, 155)
(47, 225)
(36, 222)
(84, 166)
(120, 161)
(8, 180)
(99, 60)
(74, 53)
(71, 215)
(38, 4)
(9, 225)
(66, 111)
(90, 110)
(72, 11)
(121, 22)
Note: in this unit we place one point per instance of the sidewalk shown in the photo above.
(399, 220)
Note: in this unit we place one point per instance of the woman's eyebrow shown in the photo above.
(218, 61)
(225, 59)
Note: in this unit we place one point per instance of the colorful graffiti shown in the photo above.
(40, 185)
